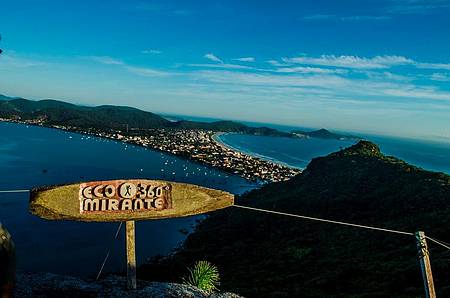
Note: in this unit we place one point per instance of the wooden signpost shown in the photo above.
(126, 200)
(425, 265)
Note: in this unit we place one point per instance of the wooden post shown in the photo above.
(425, 266)
(131, 255)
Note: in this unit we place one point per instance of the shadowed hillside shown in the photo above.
(267, 255)
(53, 112)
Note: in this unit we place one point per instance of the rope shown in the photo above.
(14, 190)
(446, 243)
(441, 243)
(108, 251)
(325, 220)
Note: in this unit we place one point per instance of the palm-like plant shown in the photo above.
(204, 276)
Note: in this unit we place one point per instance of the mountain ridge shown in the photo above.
(56, 112)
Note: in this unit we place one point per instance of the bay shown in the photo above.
(33, 156)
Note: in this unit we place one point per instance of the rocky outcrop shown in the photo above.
(53, 285)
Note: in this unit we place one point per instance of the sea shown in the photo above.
(32, 156)
(298, 152)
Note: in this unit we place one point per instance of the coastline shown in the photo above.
(226, 146)
(253, 168)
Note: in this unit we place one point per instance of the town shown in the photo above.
(198, 145)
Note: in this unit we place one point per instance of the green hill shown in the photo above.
(267, 255)
(54, 112)
(61, 113)
(324, 134)
(4, 97)
(230, 126)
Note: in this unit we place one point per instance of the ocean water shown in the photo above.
(34, 156)
(294, 152)
(430, 155)
(299, 152)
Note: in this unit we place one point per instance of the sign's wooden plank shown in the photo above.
(124, 200)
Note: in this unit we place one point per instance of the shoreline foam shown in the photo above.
(222, 143)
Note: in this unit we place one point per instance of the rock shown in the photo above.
(7, 262)
(53, 285)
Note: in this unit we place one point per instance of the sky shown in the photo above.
(371, 66)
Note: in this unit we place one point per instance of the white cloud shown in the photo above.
(290, 85)
(356, 62)
(317, 70)
(418, 92)
(264, 79)
(384, 75)
(277, 63)
(329, 85)
(146, 72)
(331, 76)
(106, 60)
(245, 59)
(222, 65)
(142, 71)
(213, 57)
(151, 51)
(11, 60)
(445, 66)
(441, 77)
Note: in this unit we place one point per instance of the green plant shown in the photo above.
(204, 276)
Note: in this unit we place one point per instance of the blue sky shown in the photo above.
(365, 66)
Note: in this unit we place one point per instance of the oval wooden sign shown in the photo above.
(123, 200)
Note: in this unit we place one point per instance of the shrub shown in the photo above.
(204, 276)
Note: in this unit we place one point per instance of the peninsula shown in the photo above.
(192, 140)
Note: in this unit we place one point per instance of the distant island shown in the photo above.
(55, 112)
